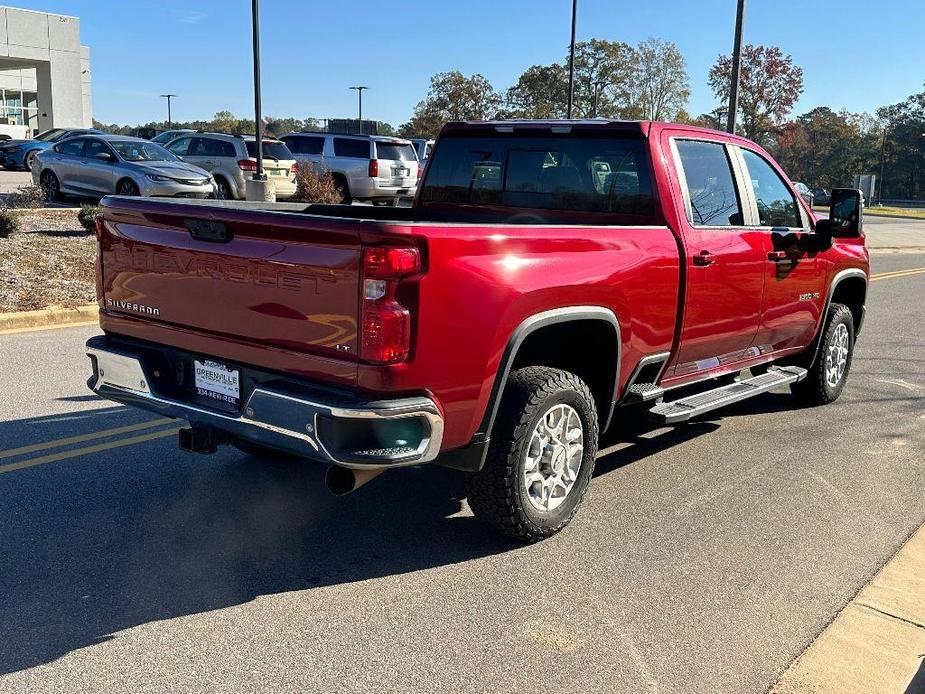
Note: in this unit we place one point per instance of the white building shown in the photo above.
(44, 71)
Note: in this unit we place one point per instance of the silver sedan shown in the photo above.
(98, 165)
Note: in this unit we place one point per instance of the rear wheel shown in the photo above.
(389, 202)
(222, 189)
(127, 187)
(29, 160)
(50, 185)
(340, 183)
(828, 373)
(541, 455)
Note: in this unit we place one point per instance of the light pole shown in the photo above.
(736, 69)
(359, 90)
(259, 175)
(886, 129)
(571, 61)
(597, 86)
(169, 118)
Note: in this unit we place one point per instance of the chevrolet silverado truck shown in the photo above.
(552, 280)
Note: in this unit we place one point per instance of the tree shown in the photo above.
(661, 82)
(452, 96)
(770, 85)
(541, 92)
(604, 73)
(903, 148)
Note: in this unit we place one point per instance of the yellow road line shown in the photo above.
(64, 455)
(896, 273)
(57, 443)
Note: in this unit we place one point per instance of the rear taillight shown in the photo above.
(385, 325)
(247, 164)
(373, 168)
(293, 168)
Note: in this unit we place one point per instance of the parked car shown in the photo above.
(98, 165)
(804, 192)
(423, 148)
(820, 196)
(530, 300)
(168, 135)
(20, 154)
(232, 159)
(371, 168)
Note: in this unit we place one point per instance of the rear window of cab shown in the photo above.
(604, 173)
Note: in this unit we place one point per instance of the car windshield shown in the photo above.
(271, 149)
(50, 135)
(141, 151)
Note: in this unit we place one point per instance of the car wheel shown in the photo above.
(50, 185)
(390, 202)
(541, 455)
(828, 373)
(340, 183)
(222, 189)
(29, 160)
(127, 187)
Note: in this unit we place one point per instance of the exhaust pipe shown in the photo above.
(343, 480)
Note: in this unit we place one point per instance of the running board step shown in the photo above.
(694, 405)
(642, 392)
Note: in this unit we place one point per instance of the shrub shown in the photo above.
(9, 223)
(87, 216)
(26, 197)
(314, 185)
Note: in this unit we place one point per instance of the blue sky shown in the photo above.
(855, 55)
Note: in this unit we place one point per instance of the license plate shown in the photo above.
(217, 381)
(279, 172)
(400, 172)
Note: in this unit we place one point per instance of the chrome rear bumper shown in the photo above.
(286, 421)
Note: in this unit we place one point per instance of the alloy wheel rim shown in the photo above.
(553, 457)
(836, 358)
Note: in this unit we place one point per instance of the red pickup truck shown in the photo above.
(551, 278)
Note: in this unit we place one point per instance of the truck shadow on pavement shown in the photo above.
(100, 543)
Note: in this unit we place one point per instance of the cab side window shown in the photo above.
(712, 197)
(776, 205)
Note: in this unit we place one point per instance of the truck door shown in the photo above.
(794, 272)
(725, 260)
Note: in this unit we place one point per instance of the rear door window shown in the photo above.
(394, 151)
(712, 196)
(73, 148)
(348, 147)
(606, 173)
(305, 145)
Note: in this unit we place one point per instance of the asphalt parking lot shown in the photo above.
(705, 558)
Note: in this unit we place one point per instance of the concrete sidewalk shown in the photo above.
(886, 234)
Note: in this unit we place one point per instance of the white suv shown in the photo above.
(372, 168)
(231, 159)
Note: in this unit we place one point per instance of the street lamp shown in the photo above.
(597, 86)
(571, 61)
(359, 90)
(259, 174)
(169, 118)
(736, 69)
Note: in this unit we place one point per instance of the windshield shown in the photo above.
(141, 151)
(50, 135)
(271, 150)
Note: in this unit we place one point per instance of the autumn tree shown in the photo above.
(769, 86)
(452, 96)
(604, 72)
(541, 92)
(903, 148)
(660, 80)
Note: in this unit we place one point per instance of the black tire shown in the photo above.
(223, 189)
(28, 161)
(497, 493)
(389, 202)
(50, 185)
(343, 189)
(127, 187)
(817, 388)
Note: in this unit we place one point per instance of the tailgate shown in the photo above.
(270, 279)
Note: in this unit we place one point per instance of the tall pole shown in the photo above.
(736, 70)
(571, 61)
(259, 175)
(359, 90)
(169, 118)
(886, 129)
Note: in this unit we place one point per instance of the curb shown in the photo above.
(42, 319)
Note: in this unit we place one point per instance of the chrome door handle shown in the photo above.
(777, 256)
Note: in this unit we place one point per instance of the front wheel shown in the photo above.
(29, 160)
(828, 373)
(127, 187)
(541, 455)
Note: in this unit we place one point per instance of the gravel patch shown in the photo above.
(49, 262)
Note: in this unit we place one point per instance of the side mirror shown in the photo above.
(846, 213)
(105, 156)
